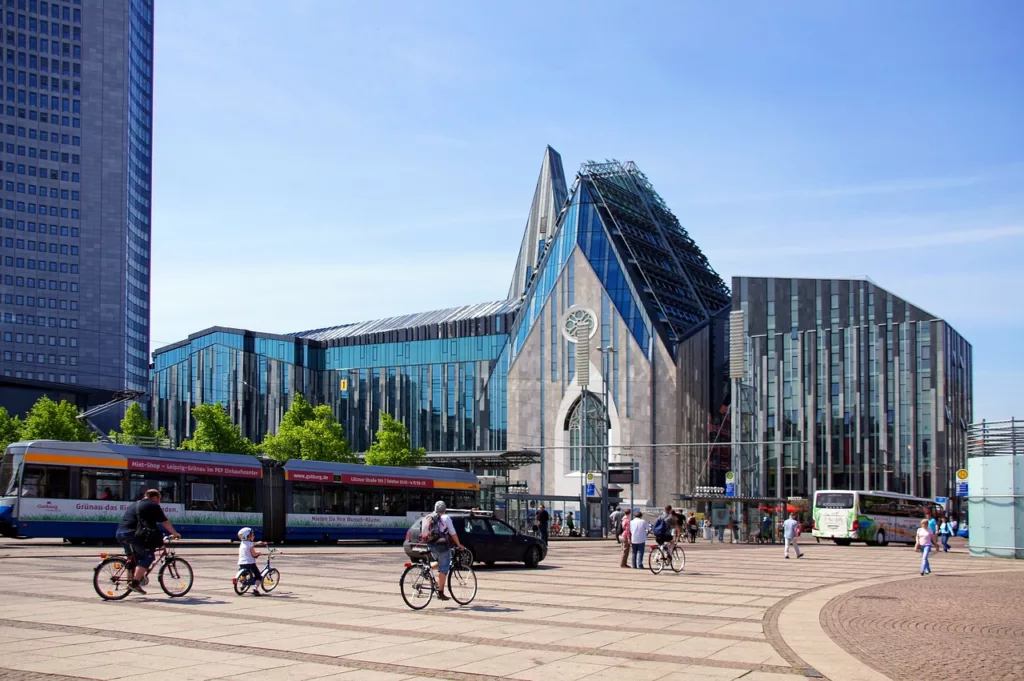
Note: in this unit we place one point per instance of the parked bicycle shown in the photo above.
(110, 578)
(270, 576)
(660, 556)
(419, 583)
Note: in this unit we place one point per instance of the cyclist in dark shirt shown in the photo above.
(144, 513)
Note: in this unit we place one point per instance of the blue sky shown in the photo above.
(325, 162)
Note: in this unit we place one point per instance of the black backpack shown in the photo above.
(147, 534)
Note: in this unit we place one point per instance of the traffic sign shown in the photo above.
(590, 477)
(961, 488)
(343, 385)
(961, 475)
(730, 477)
(730, 489)
(941, 500)
(591, 490)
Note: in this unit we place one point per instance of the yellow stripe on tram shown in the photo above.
(445, 484)
(67, 460)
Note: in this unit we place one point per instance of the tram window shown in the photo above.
(448, 498)
(338, 499)
(240, 496)
(393, 502)
(465, 500)
(367, 501)
(306, 498)
(169, 487)
(8, 478)
(420, 501)
(203, 493)
(46, 482)
(97, 483)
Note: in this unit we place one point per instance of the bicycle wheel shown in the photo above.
(271, 579)
(176, 577)
(656, 560)
(417, 587)
(678, 559)
(462, 585)
(243, 580)
(110, 579)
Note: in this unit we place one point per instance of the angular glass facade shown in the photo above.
(847, 386)
(439, 373)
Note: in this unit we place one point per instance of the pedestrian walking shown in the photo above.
(707, 529)
(638, 531)
(624, 537)
(720, 531)
(543, 518)
(924, 544)
(954, 525)
(790, 532)
(615, 523)
(944, 532)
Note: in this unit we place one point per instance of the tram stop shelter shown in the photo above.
(495, 485)
(745, 516)
(521, 512)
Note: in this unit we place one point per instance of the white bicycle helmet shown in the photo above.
(244, 533)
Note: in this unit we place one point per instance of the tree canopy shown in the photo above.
(10, 429)
(392, 447)
(310, 433)
(135, 425)
(49, 420)
(215, 433)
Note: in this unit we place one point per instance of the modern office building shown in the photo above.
(76, 124)
(503, 376)
(843, 385)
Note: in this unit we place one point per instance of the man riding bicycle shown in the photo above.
(666, 529)
(139, 520)
(439, 534)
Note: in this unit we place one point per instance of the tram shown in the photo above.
(79, 490)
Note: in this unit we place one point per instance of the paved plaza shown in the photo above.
(737, 612)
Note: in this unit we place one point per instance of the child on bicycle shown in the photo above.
(247, 557)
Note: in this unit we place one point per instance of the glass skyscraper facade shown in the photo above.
(846, 386)
(437, 372)
(76, 124)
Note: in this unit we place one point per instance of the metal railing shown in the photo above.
(995, 438)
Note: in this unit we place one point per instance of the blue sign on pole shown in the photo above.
(941, 500)
(730, 489)
(591, 490)
(961, 489)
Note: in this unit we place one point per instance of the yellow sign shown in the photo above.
(590, 477)
(961, 474)
(730, 476)
(343, 384)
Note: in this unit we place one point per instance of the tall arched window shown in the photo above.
(596, 433)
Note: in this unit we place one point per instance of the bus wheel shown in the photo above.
(843, 542)
(880, 539)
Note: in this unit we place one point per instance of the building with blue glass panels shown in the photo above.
(503, 376)
(75, 165)
(844, 385)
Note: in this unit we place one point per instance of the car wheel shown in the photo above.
(532, 557)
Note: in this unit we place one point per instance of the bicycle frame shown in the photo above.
(160, 555)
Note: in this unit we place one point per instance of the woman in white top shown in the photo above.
(924, 544)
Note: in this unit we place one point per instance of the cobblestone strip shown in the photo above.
(18, 675)
(774, 637)
(426, 634)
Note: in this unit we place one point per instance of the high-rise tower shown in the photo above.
(75, 190)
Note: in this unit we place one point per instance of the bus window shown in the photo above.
(338, 499)
(46, 482)
(203, 493)
(239, 496)
(306, 498)
(101, 484)
(393, 502)
(834, 500)
(169, 487)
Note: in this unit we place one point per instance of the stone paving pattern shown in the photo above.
(338, 614)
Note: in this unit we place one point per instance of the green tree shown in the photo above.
(215, 433)
(10, 429)
(135, 425)
(49, 420)
(310, 433)
(392, 447)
